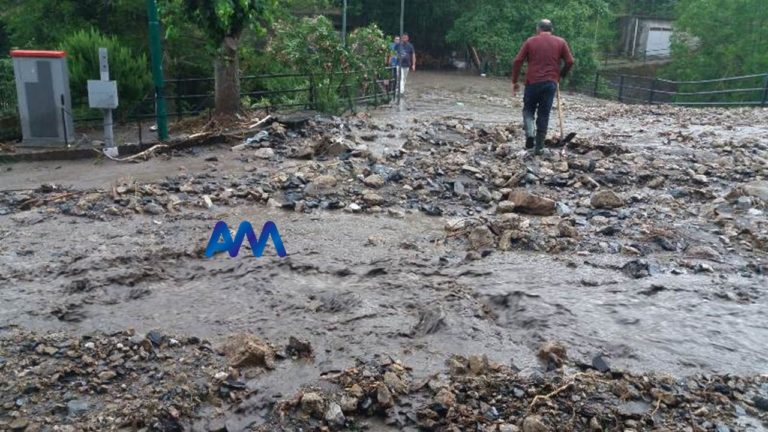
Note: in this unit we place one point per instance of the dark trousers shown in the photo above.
(537, 103)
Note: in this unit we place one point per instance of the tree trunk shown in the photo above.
(227, 78)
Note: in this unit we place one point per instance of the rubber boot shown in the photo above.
(529, 142)
(540, 136)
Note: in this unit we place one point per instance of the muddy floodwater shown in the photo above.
(357, 285)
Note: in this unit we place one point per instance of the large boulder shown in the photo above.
(526, 202)
(606, 199)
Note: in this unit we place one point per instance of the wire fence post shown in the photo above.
(765, 91)
(312, 92)
(178, 99)
(621, 88)
(597, 83)
(652, 91)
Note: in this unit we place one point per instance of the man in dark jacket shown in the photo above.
(543, 53)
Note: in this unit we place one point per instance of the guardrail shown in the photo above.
(747, 90)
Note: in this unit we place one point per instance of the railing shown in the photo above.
(191, 96)
(638, 57)
(748, 90)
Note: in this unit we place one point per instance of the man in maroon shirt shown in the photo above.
(543, 53)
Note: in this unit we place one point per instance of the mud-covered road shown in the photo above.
(388, 277)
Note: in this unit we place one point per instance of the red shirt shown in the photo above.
(543, 53)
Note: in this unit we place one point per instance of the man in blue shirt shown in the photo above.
(406, 60)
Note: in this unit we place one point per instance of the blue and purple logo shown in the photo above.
(222, 241)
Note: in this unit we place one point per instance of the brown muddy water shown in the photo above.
(357, 286)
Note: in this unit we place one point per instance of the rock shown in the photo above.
(637, 269)
(395, 383)
(755, 189)
(508, 428)
(47, 350)
(553, 354)
(700, 178)
(354, 207)
(373, 199)
(599, 363)
(298, 348)
(458, 188)
(478, 364)
(528, 203)
(606, 199)
(395, 213)
(481, 238)
(18, 424)
(484, 195)
(76, 407)
(760, 403)
(471, 169)
(445, 398)
(107, 375)
(264, 153)
(247, 350)
(384, 396)
(505, 207)
(153, 208)
(312, 403)
(594, 425)
(374, 181)
(534, 424)
(563, 210)
(566, 229)
(324, 182)
(348, 404)
(334, 416)
(703, 252)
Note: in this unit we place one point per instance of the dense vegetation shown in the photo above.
(226, 38)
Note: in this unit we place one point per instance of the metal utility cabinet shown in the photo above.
(45, 107)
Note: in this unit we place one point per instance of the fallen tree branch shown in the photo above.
(556, 391)
(132, 158)
(260, 122)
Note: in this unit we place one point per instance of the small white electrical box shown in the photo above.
(102, 94)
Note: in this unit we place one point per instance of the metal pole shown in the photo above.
(402, 17)
(597, 83)
(621, 88)
(109, 139)
(64, 121)
(653, 90)
(765, 91)
(157, 69)
(344, 25)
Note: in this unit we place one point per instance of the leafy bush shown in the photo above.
(7, 88)
(312, 46)
(130, 70)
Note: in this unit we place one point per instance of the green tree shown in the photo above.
(719, 38)
(223, 23)
(43, 24)
(497, 28)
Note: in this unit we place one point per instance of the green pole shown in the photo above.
(156, 52)
(344, 26)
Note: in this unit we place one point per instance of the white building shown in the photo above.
(646, 37)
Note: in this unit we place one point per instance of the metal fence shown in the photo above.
(747, 90)
(191, 96)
